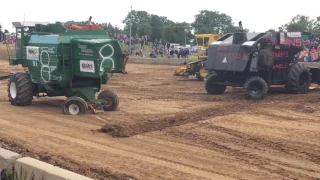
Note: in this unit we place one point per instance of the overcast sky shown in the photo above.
(269, 14)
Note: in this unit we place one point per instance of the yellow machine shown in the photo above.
(197, 67)
(204, 40)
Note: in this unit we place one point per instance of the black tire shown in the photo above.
(74, 105)
(212, 88)
(199, 77)
(256, 88)
(111, 100)
(20, 89)
(298, 79)
(200, 69)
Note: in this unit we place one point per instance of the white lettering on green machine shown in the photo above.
(84, 50)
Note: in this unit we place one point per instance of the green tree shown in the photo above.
(271, 30)
(299, 23)
(6, 31)
(137, 18)
(212, 22)
(316, 25)
(110, 29)
(175, 33)
(145, 29)
(157, 24)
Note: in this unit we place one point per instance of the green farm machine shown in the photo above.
(65, 60)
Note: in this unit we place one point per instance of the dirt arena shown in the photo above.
(169, 128)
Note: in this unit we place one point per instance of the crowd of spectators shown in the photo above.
(311, 53)
(158, 47)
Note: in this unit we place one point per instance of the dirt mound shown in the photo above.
(308, 109)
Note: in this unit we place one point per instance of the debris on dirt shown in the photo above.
(116, 130)
(308, 109)
(304, 108)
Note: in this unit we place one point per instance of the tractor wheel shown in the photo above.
(199, 77)
(111, 100)
(20, 89)
(256, 88)
(202, 73)
(213, 88)
(298, 79)
(74, 105)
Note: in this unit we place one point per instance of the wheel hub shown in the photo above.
(107, 102)
(255, 88)
(74, 109)
(203, 72)
(13, 90)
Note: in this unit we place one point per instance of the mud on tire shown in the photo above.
(298, 79)
(20, 89)
(256, 88)
(111, 100)
(213, 88)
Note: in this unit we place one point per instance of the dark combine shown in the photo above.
(256, 61)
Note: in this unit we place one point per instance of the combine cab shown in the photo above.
(197, 67)
(65, 60)
(256, 61)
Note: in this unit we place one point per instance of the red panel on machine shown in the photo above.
(82, 27)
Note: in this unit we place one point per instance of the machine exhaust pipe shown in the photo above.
(90, 20)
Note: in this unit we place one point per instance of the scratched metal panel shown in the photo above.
(92, 58)
(43, 63)
(228, 57)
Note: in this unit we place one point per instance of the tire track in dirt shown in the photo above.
(249, 158)
(302, 150)
(240, 144)
(156, 124)
(216, 153)
(279, 116)
(62, 162)
(125, 153)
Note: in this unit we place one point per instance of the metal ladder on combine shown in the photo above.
(67, 65)
(66, 54)
(11, 49)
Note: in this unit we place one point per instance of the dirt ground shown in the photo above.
(169, 128)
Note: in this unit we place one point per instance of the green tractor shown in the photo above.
(65, 60)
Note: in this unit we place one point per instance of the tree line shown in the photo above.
(301, 23)
(5, 31)
(205, 22)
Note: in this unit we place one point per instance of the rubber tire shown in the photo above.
(83, 106)
(214, 89)
(24, 87)
(293, 79)
(113, 97)
(262, 91)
